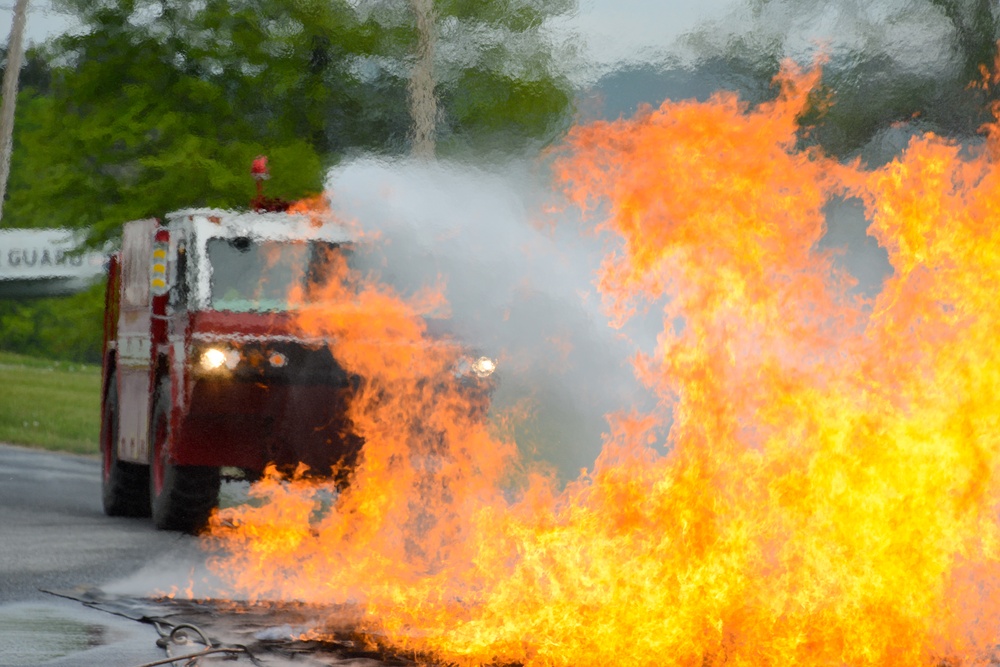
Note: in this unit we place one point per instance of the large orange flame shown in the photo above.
(828, 490)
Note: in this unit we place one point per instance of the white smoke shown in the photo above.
(520, 283)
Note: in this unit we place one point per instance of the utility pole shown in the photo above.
(15, 54)
(423, 104)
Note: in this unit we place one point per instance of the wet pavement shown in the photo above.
(110, 577)
(66, 634)
(54, 534)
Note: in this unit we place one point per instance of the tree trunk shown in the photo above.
(423, 104)
(15, 54)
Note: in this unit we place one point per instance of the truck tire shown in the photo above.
(182, 497)
(124, 486)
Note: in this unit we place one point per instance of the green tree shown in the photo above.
(157, 105)
(138, 120)
(497, 74)
(975, 26)
(891, 63)
(66, 327)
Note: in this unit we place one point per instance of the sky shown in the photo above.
(612, 30)
(42, 20)
(617, 30)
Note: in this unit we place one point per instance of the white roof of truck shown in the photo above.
(273, 226)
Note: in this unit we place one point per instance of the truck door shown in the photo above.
(135, 360)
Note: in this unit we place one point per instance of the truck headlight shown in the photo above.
(214, 358)
(483, 367)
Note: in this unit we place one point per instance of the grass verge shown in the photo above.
(50, 404)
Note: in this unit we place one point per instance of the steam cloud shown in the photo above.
(520, 289)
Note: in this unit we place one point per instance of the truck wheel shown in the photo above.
(124, 486)
(182, 497)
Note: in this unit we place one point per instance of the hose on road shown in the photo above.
(185, 634)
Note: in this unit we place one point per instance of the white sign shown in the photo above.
(40, 254)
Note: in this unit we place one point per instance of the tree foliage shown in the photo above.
(156, 105)
(66, 327)
(906, 61)
(498, 74)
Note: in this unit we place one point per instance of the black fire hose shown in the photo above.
(181, 635)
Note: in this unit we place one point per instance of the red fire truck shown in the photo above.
(204, 369)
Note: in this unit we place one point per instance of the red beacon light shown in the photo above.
(259, 169)
(261, 203)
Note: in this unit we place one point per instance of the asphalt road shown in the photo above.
(54, 535)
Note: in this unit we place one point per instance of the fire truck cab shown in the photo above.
(204, 368)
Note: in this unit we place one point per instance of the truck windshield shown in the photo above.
(257, 275)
